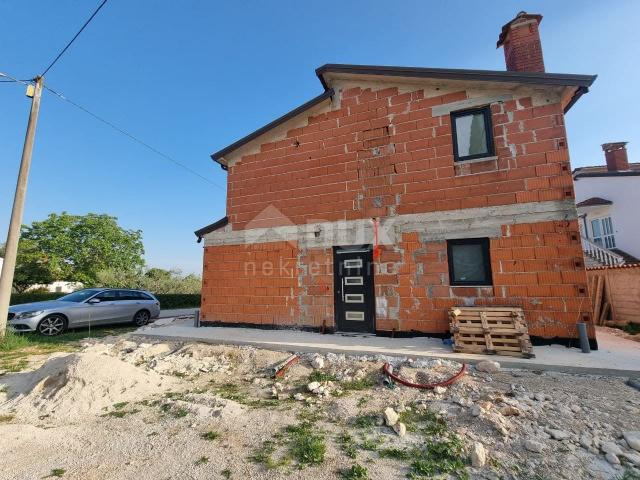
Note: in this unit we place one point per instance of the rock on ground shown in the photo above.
(488, 366)
(390, 416)
(478, 455)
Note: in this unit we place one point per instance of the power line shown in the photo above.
(74, 38)
(132, 137)
(12, 79)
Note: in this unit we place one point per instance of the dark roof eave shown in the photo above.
(218, 156)
(563, 79)
(630, 173)
(210, 228)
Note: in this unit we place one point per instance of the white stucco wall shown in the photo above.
(624, 192)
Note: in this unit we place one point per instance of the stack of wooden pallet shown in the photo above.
(490, 330)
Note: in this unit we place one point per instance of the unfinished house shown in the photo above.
(399, 193)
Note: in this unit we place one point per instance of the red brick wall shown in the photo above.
(251, 284)
(384, 153)
(537, 266)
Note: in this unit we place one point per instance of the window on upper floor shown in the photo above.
(469, 262)
(602, 232)
(472, 134)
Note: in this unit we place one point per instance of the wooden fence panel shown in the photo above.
(621, 290)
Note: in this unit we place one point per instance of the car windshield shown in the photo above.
(80, 295)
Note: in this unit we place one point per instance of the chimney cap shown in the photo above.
(522, 15)
(607, 147)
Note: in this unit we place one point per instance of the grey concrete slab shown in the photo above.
(616, 356)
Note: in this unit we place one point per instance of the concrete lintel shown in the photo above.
(435, 226)
(469, 103)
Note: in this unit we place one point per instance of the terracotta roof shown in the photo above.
(601, 171)
(593, 201)
(625, 265)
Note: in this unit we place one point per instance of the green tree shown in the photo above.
(75, 248)
(155, 280)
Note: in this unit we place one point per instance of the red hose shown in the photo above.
(280, 373)
(407, 383)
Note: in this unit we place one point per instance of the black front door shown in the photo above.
(354, 303)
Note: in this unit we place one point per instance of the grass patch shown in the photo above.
(320, 376)
(362, 401)
(371, 444)
(365, 420)
(424, 421)
(120, 405)
(265, 456)
(306, 444)
(202, 460)
(173, 411)
(230, 391)
(628, 474)
(439, 457)
(6, 418)
(120, 413)
(630, 328)
(364, 383)
(395, 453)
(56, 472)
(3, 389)
(226, 473)
(210, 435)
(356, 472)
(348, 445)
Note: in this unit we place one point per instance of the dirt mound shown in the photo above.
(78, 384)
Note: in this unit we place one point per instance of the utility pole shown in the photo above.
(11, 247)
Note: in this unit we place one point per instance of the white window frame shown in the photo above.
(606, 237)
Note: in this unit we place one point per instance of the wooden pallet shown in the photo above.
(490, 331)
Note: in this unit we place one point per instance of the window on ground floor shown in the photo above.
(469, 261)
(472, 134)
(602, 232)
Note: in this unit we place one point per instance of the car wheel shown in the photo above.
(52, 325)
(141, 318)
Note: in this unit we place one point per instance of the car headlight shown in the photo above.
(29, 314)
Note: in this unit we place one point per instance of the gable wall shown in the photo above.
(379, 152)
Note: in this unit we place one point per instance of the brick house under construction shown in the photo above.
(400, 192)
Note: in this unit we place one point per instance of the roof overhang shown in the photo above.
(223, 222)
(626, 173)
(219, 155)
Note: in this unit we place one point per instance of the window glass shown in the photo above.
(108, 296)
(471, 135)
(595, 229)
(468, 263)
(79, 296)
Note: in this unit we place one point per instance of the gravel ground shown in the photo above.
(120, 410)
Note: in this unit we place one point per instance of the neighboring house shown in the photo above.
(401, 192)
(57, 287)
(607, 198)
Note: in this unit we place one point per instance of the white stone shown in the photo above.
(610, 447)
(488, 366)
(533, 446)
(612, 459)
(400, 428)
(541, 397)
(557, 434)
(509, 411)
(478, 455)
(390, 416)
(476, 411)
(586, 441)
(317, 362)
(313, 386)
(633, 439)
(439, 390)
(299, 396)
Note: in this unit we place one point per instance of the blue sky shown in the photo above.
(191, 77)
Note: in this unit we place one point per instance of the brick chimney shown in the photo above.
(616, 155)
(521, 41)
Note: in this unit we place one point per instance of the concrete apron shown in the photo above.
(621, 357)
